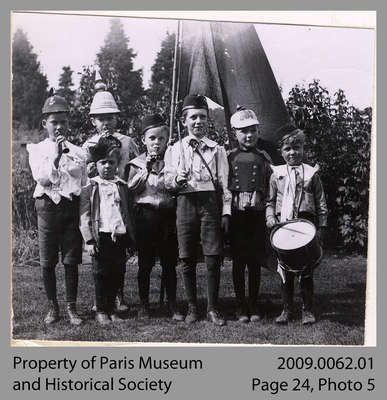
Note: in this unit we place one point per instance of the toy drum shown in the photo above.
(296, 245)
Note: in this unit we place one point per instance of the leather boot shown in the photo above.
(74, 318)
(192, 314)
(53, 313)
(176, 315)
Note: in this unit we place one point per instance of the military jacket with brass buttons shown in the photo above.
(249, 178)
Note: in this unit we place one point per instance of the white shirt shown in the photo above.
(109, 207)
(64, 181)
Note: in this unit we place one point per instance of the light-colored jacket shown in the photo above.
(148, 187)
(181, 157)
(311, 200)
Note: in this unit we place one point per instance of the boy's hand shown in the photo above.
(59, 145)
(182, 178)
(150, 159)
(226, 224)
(271, 222)
(91, 249)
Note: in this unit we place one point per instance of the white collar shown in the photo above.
(102, 181)
(282, 170)
(208, 142)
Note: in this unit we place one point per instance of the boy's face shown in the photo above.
(107, 167)
(196, 121)
(56, 124)
(156, 140)
(247, 137)
(104, 123)
(293, 153)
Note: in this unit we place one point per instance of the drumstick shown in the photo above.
(294, 230)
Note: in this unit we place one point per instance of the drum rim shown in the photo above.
(281, 224)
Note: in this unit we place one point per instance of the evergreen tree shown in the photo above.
(29, 84)
(65, 84)
(115, 62)
(162, 70)
(80, 123)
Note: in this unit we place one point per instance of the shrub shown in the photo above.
(338, 139)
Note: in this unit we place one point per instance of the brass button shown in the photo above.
(237, 186)
(236, 167)
(236, 180)
(253, 180)
(254, 166)
(254, 173)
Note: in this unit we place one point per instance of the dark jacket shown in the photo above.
(89, 212)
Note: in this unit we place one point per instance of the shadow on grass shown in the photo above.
(347, 308)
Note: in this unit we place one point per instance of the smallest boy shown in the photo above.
(296, 191)
(155, 214)
(106, 227)
(248, 182)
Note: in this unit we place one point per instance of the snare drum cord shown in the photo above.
(294, 189)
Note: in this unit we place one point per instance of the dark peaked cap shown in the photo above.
(286, 131)
(151, 121)
(104, 146)
(194, 101)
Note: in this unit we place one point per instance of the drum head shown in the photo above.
(293, 235)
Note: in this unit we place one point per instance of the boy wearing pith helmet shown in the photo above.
(104, 117)
(59, 169)
(197, 170)
(248, 182)
(296, 191)
(155, 214)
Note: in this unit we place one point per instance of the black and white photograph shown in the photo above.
(191, 181)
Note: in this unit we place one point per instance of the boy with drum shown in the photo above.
(248, 182)
(296, 192)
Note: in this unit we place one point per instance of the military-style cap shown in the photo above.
(151, 121)
(286, 131)
(243, 117)
(55, 104)
(103, 103)
(194, 101)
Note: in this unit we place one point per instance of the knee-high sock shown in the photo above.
(238, 277)
(213, 280)
(254, 280)
(189, 277)
(71, 278)
(49, 281)
(306, 285)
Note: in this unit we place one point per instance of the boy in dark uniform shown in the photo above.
(155, 214)
(248, 182)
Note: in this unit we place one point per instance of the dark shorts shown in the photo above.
(247, 233)
(199, 221)
(156, 231)
(58, 231)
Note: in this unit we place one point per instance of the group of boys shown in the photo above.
(167, 202)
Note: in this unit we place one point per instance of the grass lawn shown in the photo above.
(340, 283)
